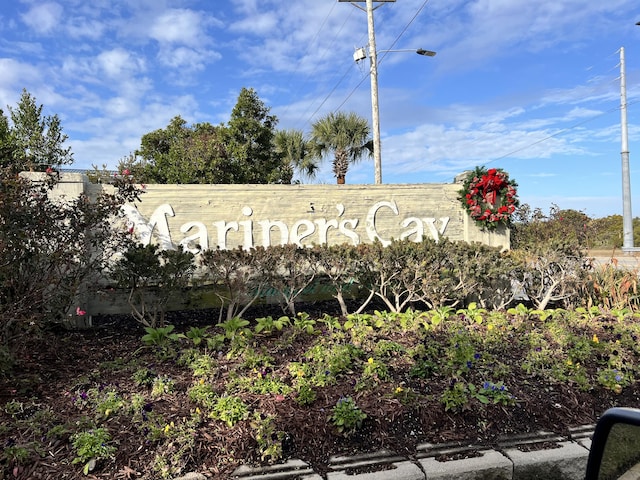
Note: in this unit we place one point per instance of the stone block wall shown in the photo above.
(230, 216)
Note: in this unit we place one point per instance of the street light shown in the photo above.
(375, 112)
(359, 55)
(374, 81)
(426, 53)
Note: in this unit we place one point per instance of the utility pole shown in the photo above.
(373, 57)
(627, 218)
(375, 110)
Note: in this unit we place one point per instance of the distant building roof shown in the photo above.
(85, 170)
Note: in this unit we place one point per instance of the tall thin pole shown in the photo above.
(627, 218)
(375, 111)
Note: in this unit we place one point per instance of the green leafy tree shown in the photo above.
(249, 139)
(566, 229)
(346, 135)
(182, 154)
(295, 151)
(8, 147)
(39, 140)
(242, 151)
(607, 232)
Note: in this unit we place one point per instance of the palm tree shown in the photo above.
(347, 135)
(295, 152)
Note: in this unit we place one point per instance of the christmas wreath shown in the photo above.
(489, 196)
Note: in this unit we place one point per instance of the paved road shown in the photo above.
(622, 260)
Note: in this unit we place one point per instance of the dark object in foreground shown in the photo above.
(615, 448)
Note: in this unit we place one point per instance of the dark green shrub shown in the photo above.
(50, 249)
(152, 275)
(240, 273)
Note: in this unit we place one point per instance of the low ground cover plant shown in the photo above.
(361, 381)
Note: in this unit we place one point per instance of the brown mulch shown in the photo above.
(54, 365)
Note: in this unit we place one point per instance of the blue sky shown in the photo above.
(530, 87)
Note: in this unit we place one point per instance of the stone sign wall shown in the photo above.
(200, 217)
(230, 216)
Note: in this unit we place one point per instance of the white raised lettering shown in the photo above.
(223, 227)
(323, 228)
(197, 239)
(370, 225)
(158, 221)
(267, 225)
(197, 242)
(418, 229)
(247, 228)
(297, 236)
(347, 227)
(435, 232)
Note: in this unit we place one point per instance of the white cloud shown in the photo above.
(14, 73)
(543, 175)
(454, 148)
(107, 137)
(43, 18)
(256, 24)
(81, 27)
(187, 58)
(179, 26)
(118, 62)
(302, 37)
(119, 107)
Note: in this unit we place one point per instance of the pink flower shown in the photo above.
(80, 312)
(126, 171)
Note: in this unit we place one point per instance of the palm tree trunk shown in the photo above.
(340, 165)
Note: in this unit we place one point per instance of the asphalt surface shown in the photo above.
(620, 260)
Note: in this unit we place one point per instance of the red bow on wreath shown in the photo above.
(489, 196)
(491, 184)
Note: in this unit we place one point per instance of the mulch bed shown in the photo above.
(52, 365)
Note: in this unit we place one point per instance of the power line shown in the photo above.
(561, 132)
(404, 30)
(347, 72)
(309, 45)
(366, 76)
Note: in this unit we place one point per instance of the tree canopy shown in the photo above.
(31, 141)
(183, 154)
(249, 140)
(344, 134)
(296, 151)
(241, 151)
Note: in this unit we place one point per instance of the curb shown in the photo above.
(490, 464)
(374, 466)
(293, 469)
(568, 462)
(522, 457)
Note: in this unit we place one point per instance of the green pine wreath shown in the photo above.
(490, 197)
